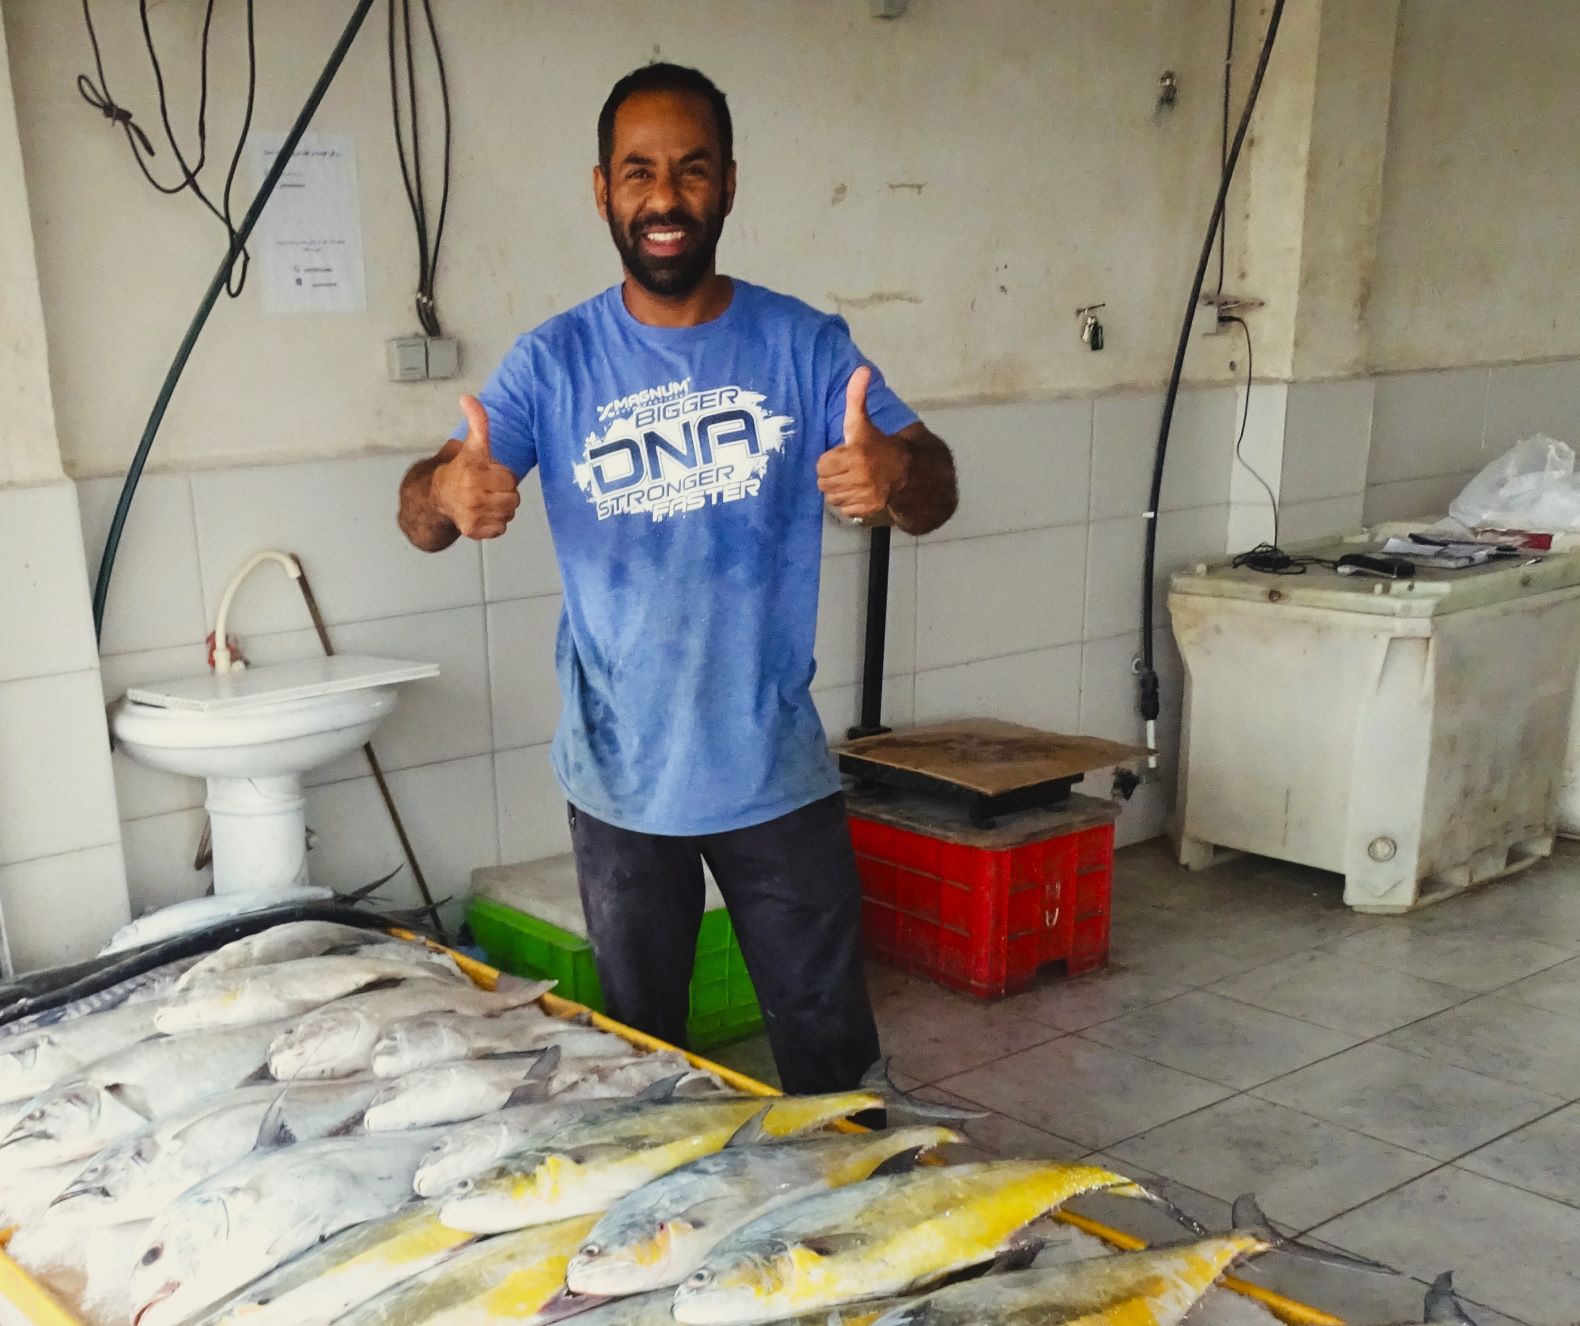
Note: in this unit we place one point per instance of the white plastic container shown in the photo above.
(1410, 736)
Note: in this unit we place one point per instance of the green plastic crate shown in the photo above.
(723, 1003)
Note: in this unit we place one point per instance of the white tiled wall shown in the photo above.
(1433, 431)
(1026, 606)
(62, 885)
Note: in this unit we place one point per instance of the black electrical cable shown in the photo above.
(405, 106)
(1148, 704)
(1266, 558)
(1245, 416)
(112, 542)
(1223, 145)
(98, 96)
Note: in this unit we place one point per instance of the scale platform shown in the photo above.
(994, 768)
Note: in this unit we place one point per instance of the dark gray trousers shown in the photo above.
(795, 901)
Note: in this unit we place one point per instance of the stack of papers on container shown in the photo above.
(1450, 556)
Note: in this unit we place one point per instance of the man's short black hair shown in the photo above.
(664, 77)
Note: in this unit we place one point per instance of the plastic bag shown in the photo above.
(1532, 486)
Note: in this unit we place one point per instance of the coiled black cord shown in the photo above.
(98, 96)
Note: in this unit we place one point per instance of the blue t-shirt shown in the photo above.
(678, 467)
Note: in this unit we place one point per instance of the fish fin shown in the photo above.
(1249, 1218)
(1019, 1256)
(566, 1304)
(258, 1077)
(831, 1244)
(522, 993)
(663, 1089)
(901, 1162)
(367, 890)
(1443, 1307)
(130, 1098)
(548, 1063)
(528, 1093)
(501, 1056)
(899, 1101)
(381, 983)
(348, 1126)
(274, 1131)
(752, 1132)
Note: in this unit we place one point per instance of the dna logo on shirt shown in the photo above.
(673, 456)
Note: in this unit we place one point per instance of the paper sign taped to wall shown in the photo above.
(309, 239)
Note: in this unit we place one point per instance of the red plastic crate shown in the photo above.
(980, 910)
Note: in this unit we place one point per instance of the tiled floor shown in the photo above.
(1407, 1088)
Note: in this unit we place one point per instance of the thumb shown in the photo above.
(475, 443)
(856, 403)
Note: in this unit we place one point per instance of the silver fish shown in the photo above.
(155, 983)
(138, 1176)
(659, 1234)
(453, 1093)
(338, 1039)
(121, 1093)
(255, 1216)
(422, 1042)
(316, 1288)
(280, 943)
(24, 1200)
(285, 989)
(34, 1063)
(181, 918)
(89, 1274)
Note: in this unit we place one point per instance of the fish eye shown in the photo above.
(592, 1250)
(153, 1254)
(465, 1186)
(700, 1278)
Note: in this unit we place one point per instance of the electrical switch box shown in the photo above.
(444, 357)
(418, 358)
(408, 358)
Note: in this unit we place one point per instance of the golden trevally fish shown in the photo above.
(317, 1287)
(506, 1279)
(654, 1310)
(883, 1237)
(660, 1234)
(580, 1165)
(1154, 1287)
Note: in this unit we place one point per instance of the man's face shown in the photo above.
(667, 191)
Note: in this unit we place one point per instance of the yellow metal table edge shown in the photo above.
(20, 1291)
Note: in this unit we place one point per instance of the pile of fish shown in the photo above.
(318, 1123)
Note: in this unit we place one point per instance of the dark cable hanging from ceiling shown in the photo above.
(98, 95)
(404, 106)
(1148, 701)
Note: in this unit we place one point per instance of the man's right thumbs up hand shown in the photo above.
(476, 493)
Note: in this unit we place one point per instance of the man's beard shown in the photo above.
(668, 277)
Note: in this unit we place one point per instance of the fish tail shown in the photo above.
(1443, 1307)
(878, 1081)
(1250, 1220)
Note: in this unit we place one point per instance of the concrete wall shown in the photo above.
(1476, 251)
(28, 453)
(62, 881)
(957, 181)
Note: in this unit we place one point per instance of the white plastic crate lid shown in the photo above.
(547, 890)
(1432, 593)
(279, 683)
